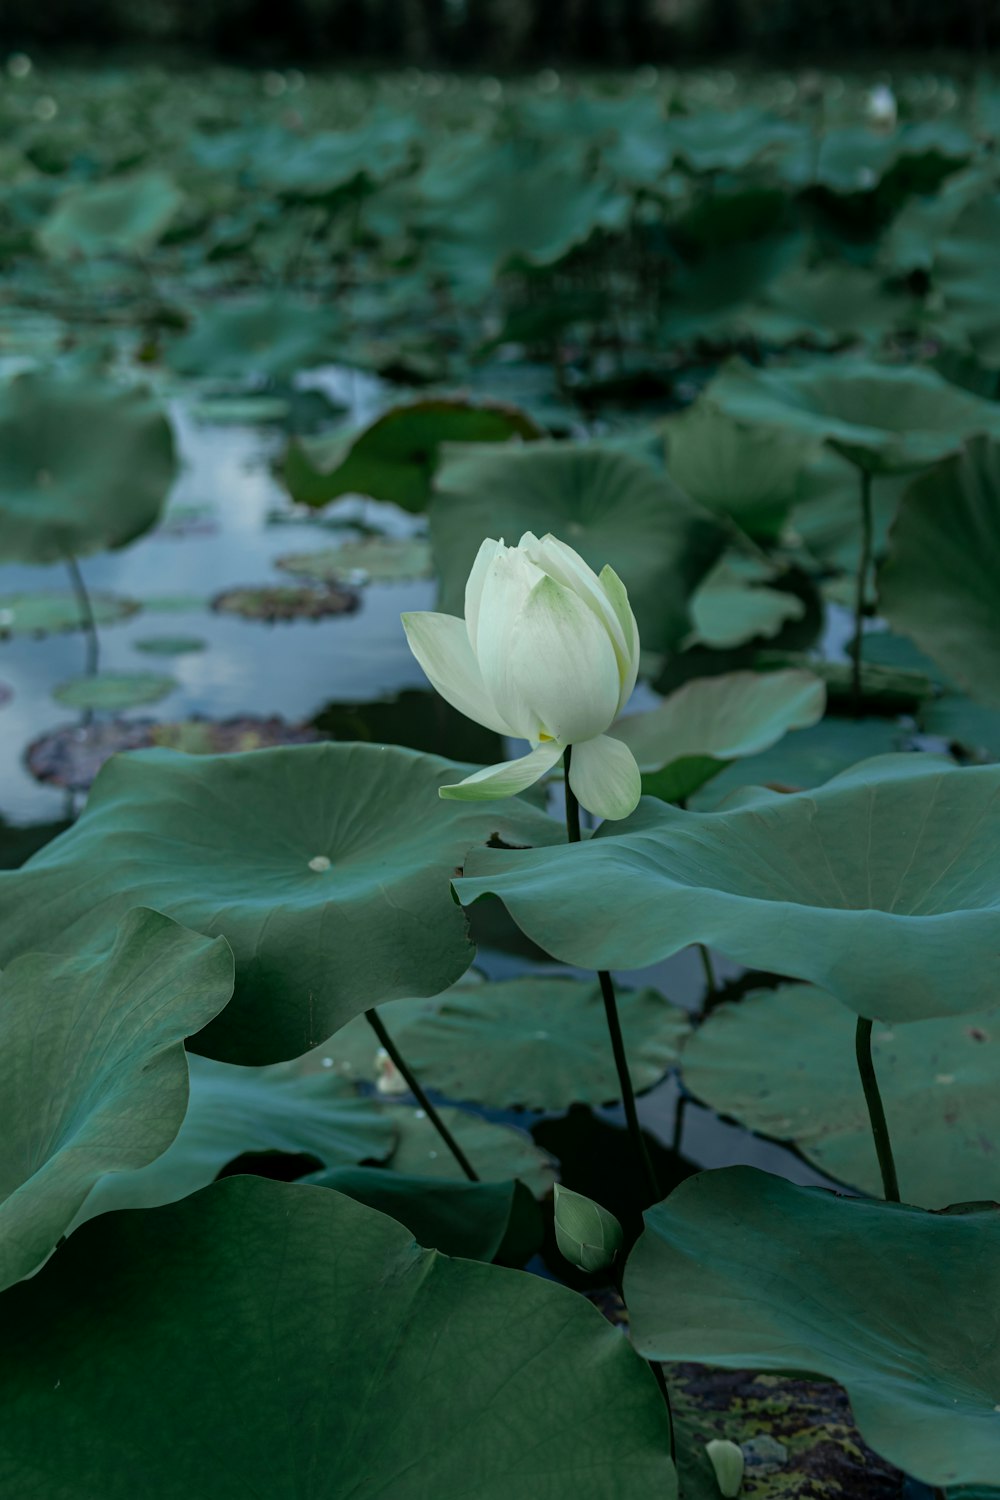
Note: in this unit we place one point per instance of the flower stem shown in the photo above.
(876, 1111)
(614, 1023)
(706, 963)
(86, 614)
(378, 1026)
(864, 567)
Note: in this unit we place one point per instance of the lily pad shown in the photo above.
(884, 418)
(272, 603)
(477, 1220)
(47, 613)
(112, 691)
(497, 1152)
(170, 645)
(782, 1063)
(326, 867)
(939, 583)
(748, 1271)
(382, 559)
(121, 216)
(611, 507)
(867, 886)
(534, 1043)
(94, 1076)
(273, 336)
(395, 458)
(716, 720)
(233, 1112)
(84, 465)
(350, 1403)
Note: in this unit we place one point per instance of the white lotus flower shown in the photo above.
(548, 652)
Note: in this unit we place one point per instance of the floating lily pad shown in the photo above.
(611, 507)
(395, 458)
(112, 691)
(94, 1076)
(72, 755)
(885, 418)
(274, 336)
(170, 645)
(122, 216)
(173, 604)
(497, 1152)
(208, 1289)
(782, 1063)
(939, 583)
(531, 1043)
(748, 1271)
(49, 613)
(867, 886)
(84, 465)
(327, 911)
(272, 603)
(383, 559)
(233, 1112)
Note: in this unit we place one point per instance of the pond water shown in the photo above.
(227, 521)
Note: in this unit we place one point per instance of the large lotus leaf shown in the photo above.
(93, 1076)
(275, 336)
(807, 758)
(939, 584)
(395, 458)
(900, 1306)
(718, 719)
(289, 1342)
(611, 507)
(827, 512)
(329, 160)
(868, 886)
(540, 1042)
(729, 140)
(965, 272)
(829, 303)
(477, 1220)
(326, 867)
(885, 418)
(782, 1063)
(236, 1111)
(498, 1153)
(734, 605)
(123, 216)
(84, 464)
(733, 469)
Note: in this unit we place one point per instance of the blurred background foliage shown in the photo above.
(505, 33)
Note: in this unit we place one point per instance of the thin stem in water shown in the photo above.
(706, 963)
(864, 567)
(876, 1111)
(614, 1023)
(385, 1040)
(86, 614)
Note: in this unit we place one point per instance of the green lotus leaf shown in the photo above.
(965, 273)
(111, 691)
(122, 216)
(382, 559)
(611, 507)
(867, 886)
(84, 465)
(93, 1076)
(748, 1271)
(395, 458)
(274, 336)
(782, 1063)
(733, 605)
(308, 1341)
(496, 1152)
(47, 613)
(539, 1042)
(827, 513)
(733, 469)
(477, 1220)
(329, 160)
(884, 418)
(806, 758)
(714, 140)
(325, 866)
(235, 1111)
(719, 719)
(939, 584)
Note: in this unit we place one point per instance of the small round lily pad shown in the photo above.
(111, 691)
(169, 645)
(383, 559)
(47, 613)
(285, 602)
